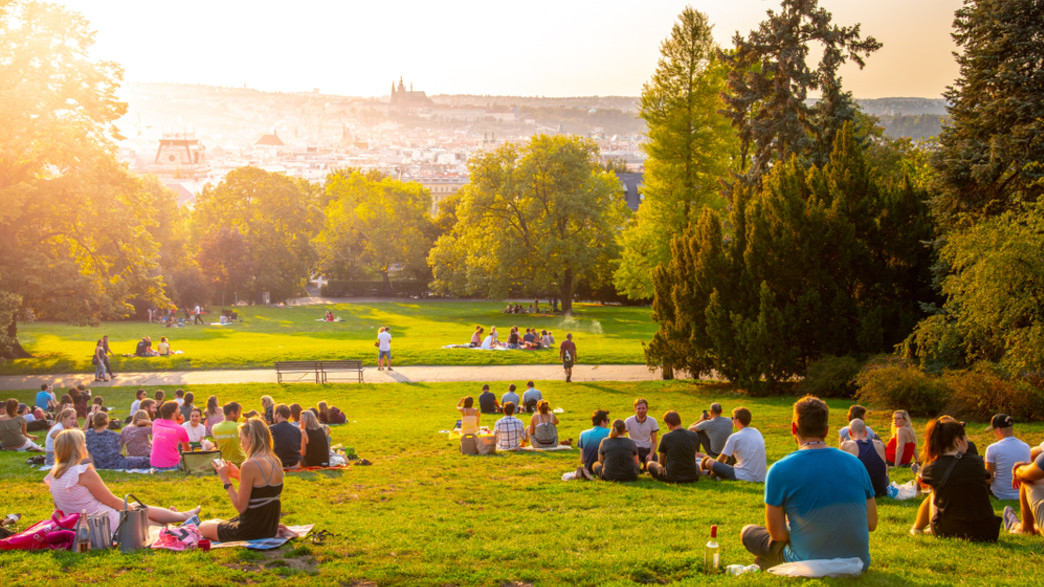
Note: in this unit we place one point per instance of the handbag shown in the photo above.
(469, 444)
(99, 532)
(486, 445)
(377, 343)
(133, 530)
(55, 533)
(198, 462)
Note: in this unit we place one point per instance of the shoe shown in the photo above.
(380, 368)
(389, 368)
(916, 531)
(583, 474)
(1011, 520)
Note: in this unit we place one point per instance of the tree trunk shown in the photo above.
(565, 290)
(15, 351)
(387, 282)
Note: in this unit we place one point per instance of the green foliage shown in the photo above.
(991, 149)
(982, 391)
(902, 387)
(277, 217)
(534, 220)
(689, 150)
(831, 376)
(224, 257)
(184, 282)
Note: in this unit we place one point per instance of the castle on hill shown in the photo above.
(404, 99)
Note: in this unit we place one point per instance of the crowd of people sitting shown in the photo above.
(530, 340)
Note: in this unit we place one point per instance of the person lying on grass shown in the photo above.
(75, 485)
(258, 498)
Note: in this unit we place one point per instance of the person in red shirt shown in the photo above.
(567, 352)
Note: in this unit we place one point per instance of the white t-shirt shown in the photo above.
(487, 343)
(748, 446)
(641, 432)
(49, 441)
(134, 407)
(196, 434)
(384, 339)
(1004, 454)
(870, 434)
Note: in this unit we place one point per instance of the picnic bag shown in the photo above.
(56, 533)
(198, 462)
(471, 444)
(133, 530)
(178, 539)
(99, 532)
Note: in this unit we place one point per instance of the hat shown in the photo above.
(1001, 421)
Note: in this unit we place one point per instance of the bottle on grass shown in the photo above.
(712, 554)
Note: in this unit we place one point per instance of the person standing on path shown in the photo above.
(384, 348)
(196, 314)
(567, 352)
(105, 355)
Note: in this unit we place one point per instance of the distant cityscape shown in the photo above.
(191, 135)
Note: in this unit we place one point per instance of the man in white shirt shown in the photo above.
(1002, 455)
(643, 429)
(136, 404)
(384, 348)
(747, 446)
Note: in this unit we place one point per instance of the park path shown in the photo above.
(408, 374)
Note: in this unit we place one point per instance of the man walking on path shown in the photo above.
(384, 348)
(198, 312)
(567, 352)
(107, 352)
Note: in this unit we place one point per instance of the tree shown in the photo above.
(73, 243)
(224, 257)
(534, 219)
(770, 82)
(689, 151)
(374, 224)
(276, 215)
(992, 147)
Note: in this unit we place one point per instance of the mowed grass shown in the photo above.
(604, 335)
(422, 514)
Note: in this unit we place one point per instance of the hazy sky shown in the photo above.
(532, 48)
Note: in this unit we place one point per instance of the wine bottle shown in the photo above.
(712, 554)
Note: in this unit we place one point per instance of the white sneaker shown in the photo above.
(1011, 521)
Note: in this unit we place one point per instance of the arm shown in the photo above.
(871, 514)
(776, 523)
(554, 419)
(240, 498)
(304, 443)
(1027, 473)
(991, 468)
(25, 431)
(652, 445)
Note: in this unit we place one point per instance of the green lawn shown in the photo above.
(424, 515)
(604, 335)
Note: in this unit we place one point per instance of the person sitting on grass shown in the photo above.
(509, 431)
(870, 452)
(331, 414)
(164, 347)
(315, 444)
(104, 446)
(187, 405)
(65, 420)
(195, 428)
(329, 316)
(258, 498)
(819, 501)
(590, 439)
(510, 396)
(1002, 455)
(960, 500)
(617, 456)
(45, 399)
(901, 449)
(167, 437)
(488, 402)
(469, 416)
(489, 343)
(746, 447)
(856, 411)
(543, 427)
(13, 432)
(269, 405)
(226, 434)
(530, 398)
(213, 414)
(476, 337)
(75, 485)
(286, 438)
(642, 429)
(677, 450)
(136, 404)
(136, 437)
(151, 408)
(295, 415)
(513, 338)
(713, 429)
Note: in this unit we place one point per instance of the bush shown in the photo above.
(980, 392)
(901, 387)
(831, 377)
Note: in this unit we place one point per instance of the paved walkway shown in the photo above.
(518, 373)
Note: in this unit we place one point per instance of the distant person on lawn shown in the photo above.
(45, 399)
(543, 427)
(819, 501)
(476, 337)
(870, 452)
(510, 396)
(617, 456)
(509, 431)
(1002, 455)
(488, 402)
(286, 438)
(567, 352)
(856, 411)
(384, 338)
(591, 438)
(643, 429)
(530, 398)
(745, 448)
(713, 430)
(677, 450)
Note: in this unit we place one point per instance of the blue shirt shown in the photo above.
(589, 441)
(823, 493)
(509, 397)
(42, 398)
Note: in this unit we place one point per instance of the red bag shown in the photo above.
(57, 533)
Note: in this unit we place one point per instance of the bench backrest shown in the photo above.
(341, 364)
(285, 365)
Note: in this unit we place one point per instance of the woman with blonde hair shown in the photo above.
(257, 500)
(268, 404)
(315, 444)
(75, 485)
(902, 446)
(543, 427)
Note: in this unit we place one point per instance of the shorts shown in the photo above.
(1035, 493)
(384, 355)
(567, 364)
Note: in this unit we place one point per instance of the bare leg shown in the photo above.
(162, 516)
(923, 513)
(209, 529)
(1028, 523)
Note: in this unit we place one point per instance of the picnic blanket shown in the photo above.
(266, 543)
(142, 471)
(559, 447)
(309, 469)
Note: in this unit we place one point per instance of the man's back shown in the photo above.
(748, 446)
(510, 397)
(680, 446)
(286, 443)
(870, 453)
(226, 436)
(510, 432)
(487, 402)
(823, 493)
(717, 429)
(589, 441)
(1004, 454)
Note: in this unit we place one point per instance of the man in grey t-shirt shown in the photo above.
(714, 430)
(642, 429)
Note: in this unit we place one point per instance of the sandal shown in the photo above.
(320, 536)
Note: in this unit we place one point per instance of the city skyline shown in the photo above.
(468, 47)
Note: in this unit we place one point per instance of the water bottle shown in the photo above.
(10, 520)
(742, 570)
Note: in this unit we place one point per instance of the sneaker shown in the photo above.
(389, 368)
(915, 531)
(1011, 520)
(584, 473)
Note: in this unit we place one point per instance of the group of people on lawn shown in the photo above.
(529, 340)
(510, 432)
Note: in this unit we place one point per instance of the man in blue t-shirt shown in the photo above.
(590, 439)
(819, 501)
(45, 399)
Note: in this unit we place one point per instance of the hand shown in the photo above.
(221, 467)
(233, 470)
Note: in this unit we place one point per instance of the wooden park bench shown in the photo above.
(301, 368)
(341, 366)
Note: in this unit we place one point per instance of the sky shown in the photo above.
(532, 48)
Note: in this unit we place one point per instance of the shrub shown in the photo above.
(980, 392)
(902, 387)
(831, 377)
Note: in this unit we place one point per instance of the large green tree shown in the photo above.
(992, 146)
(73, 238)
(277, 216)
(534, 219)
(373, 225)
(689, 150)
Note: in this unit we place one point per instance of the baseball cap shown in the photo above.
(1001, 421)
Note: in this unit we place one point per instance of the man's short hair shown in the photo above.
(231, 408)
(179, 393)
(485, 387)
(641, 400)
(856, 412)
(43, 387)
(599, 416)
(716, 408)
(569, 336)
(509, 408)
(167, 410)
(672, 418)
(511, 387)
(743, 415)
(283, 410)
(812, 417)
(529, 384)
(857, 426)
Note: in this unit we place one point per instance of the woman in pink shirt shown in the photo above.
(167, 436)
